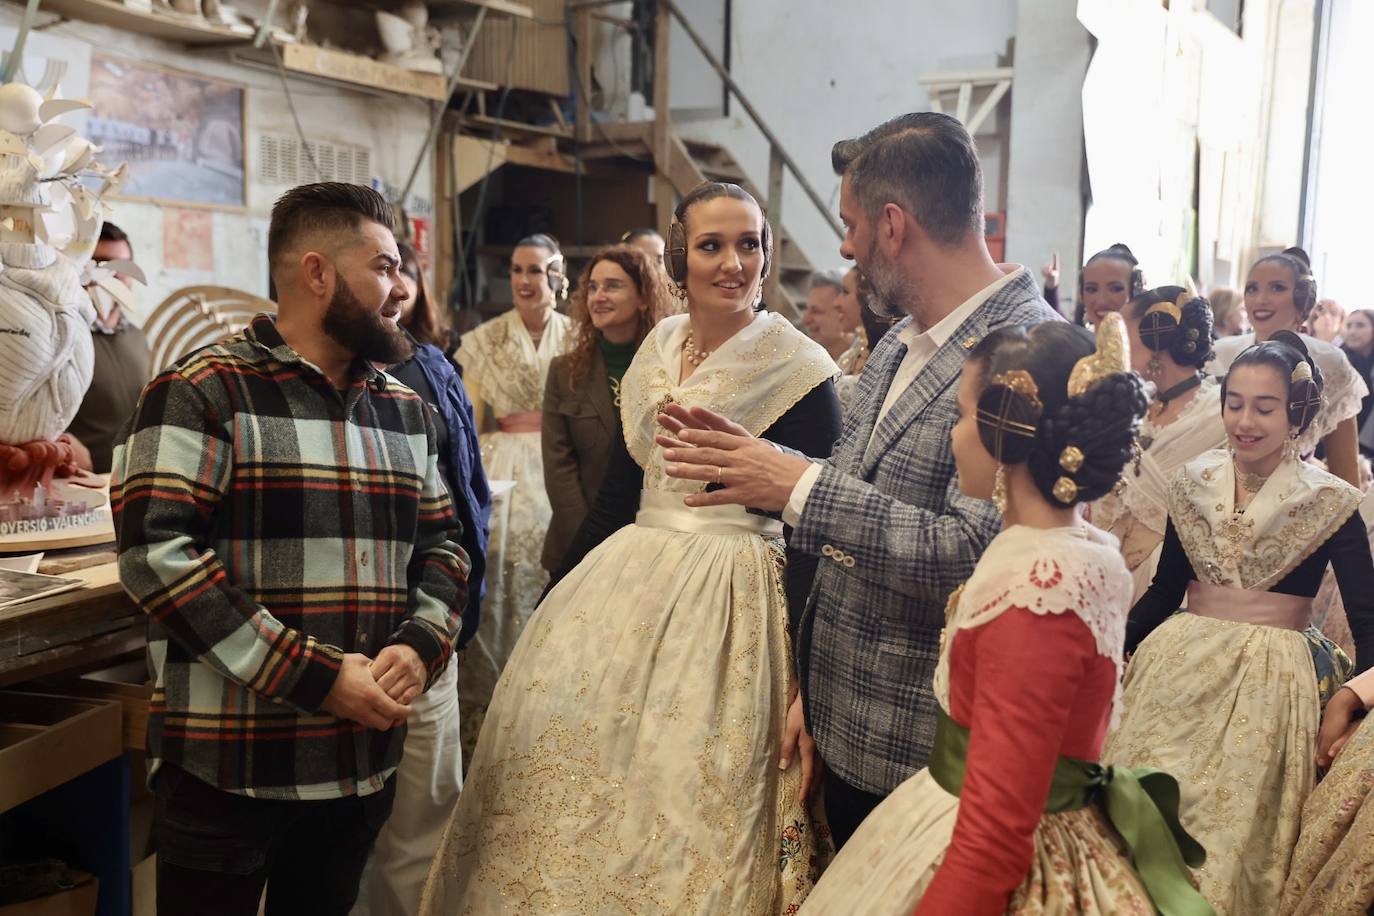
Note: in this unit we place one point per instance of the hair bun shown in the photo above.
(1121, 249)
(1299, 254)
(1291, 339)
(1101, 424)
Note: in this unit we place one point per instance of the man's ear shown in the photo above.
(894, 225)
(316, 273)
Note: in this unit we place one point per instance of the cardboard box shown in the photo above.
(79, 901)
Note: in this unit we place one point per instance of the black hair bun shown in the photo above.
(1298, 254)
(1101, 424)
(1188, 338)
(1123, 251)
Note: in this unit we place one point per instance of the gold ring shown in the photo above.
(720, 472)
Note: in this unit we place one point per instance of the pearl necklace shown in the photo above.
(694, 356)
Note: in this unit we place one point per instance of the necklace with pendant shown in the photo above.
(694, 356)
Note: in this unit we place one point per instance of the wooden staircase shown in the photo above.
(690, 162)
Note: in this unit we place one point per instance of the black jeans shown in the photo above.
(216, 850)
(846, 806)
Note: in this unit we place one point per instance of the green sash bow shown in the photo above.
(1141, 803)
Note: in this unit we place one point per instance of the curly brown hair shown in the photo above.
(426, 322)
(651, 283)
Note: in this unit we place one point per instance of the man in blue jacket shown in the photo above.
(431, 771)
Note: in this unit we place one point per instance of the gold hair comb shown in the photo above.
(1302, 372)
(1020, 381)
(1108, 359)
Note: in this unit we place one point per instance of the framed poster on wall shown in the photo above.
(181, 133)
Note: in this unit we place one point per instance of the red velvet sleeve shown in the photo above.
(1027, 671)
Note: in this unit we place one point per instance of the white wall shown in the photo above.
(820, 71)
(392, 126)
(1045, 177)
(1343, 196)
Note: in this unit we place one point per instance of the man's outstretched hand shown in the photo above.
(702, 445)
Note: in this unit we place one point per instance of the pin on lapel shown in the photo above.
(970, 342)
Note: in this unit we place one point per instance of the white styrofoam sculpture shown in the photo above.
(46, 352)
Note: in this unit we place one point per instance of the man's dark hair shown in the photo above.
(109, 232)
(924, 162)
(328, 206)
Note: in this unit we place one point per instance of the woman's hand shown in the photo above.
(1338, 724)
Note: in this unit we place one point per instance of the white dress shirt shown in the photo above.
(920, 347)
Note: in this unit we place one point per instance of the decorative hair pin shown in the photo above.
(1071, 459)
(1302, 372)
(1021, 381)
(1109, 358)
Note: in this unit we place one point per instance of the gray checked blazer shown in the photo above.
(895, 537)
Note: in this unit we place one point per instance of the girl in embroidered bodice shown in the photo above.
(1010, 816)
(1225, 696)
(1280, 294)
(1171, 339)
(505, 364)
(629, 760)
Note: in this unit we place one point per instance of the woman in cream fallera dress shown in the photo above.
(1225, 695)
(504, 371)
(628, 762)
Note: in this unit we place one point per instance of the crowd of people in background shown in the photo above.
(640, 597)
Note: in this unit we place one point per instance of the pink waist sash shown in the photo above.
(531, 422)
(1241, 605)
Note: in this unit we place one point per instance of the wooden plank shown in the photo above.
(504, 7)
(115, 14)
(583, 34)
(529, 54)
(363, 71)
(664, 204)
(518, 127)
(773, 285)
(441, 251)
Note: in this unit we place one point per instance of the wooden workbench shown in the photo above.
(74, 630)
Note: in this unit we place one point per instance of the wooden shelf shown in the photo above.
(115, 14)
(503, 7)
(339, 68)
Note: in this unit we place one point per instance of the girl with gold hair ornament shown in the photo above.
(1225, 695)
(1170, 331)
(1014, 813)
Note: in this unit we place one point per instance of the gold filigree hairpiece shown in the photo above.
(1109, 358)
(1020, 381)
(1302, 372)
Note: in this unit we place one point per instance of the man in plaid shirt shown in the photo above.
(282, 522)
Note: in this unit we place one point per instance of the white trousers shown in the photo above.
(427, 784)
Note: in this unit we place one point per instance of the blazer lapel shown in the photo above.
(937, 375)
(599, 386)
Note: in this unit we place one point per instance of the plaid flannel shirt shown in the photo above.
(267, 524)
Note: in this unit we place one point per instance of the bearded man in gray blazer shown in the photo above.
(884, 512)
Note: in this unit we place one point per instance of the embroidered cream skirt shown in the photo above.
(1333, 867)
(1231, 711)
(628, 764)
(515, 578)
(1079, 865)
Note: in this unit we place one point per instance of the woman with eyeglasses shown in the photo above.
(619, 298)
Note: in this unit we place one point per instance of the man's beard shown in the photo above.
(363, 331)
(892, 295)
